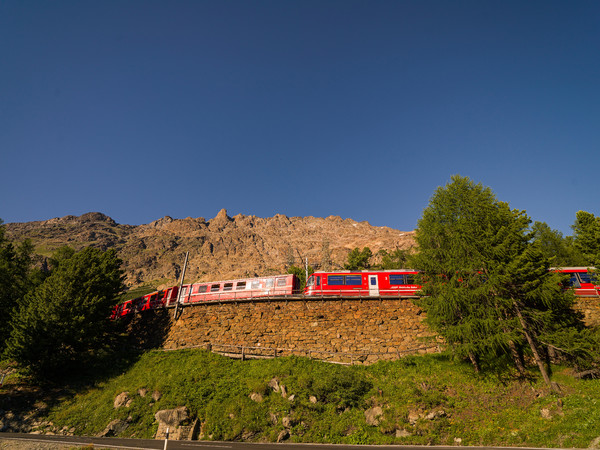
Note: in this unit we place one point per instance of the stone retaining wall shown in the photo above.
(590, 307)
(362, 329)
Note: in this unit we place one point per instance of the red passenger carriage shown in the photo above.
(154, 300)
(244, 288)
(397, 283)
(581, 280)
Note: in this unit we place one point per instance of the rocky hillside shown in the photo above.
(220, 248)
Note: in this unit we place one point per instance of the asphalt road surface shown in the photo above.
(35, 441)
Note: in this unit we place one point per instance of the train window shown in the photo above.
(587, 278)
(201, 289)
(353, 280)
(574, 281)
(241, 285)
(311, 280)
(215, 287)
(228, 286)
(335, 280)
(255, 284)
(318, 278)
(269, 282)
(184, 291)
(281, 282)
(398, 279)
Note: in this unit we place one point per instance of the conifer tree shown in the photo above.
(488, 288)
(63, 325)
(359, 259)
(560, 250)
(15, 270)
(587, 237)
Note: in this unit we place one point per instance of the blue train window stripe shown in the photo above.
(353, 280)
(335, 280)
(397, 279)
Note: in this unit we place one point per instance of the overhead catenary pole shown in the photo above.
(180, 285)
(306, 268)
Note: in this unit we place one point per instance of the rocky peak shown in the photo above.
(96, 217)
(220, 221)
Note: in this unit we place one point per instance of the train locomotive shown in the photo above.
(397, 283)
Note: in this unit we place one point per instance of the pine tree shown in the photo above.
(63, 325)
(560, 250)
(587, 237)
(397, 259)
(359, 259)
(15, 272)
(488, 288)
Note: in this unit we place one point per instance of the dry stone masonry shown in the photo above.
(364, 330)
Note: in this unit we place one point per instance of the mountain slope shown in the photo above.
(220, 248)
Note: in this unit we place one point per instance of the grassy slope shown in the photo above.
(478, 410)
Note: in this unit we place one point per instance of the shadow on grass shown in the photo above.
(30, 398)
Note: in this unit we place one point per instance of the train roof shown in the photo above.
(369, 271)
(240, 279)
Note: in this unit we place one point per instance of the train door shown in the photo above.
(373, 286)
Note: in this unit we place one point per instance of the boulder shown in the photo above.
(274, 384)
(175, 423)
(436, 414)
(285, 434)
(288, 422)
(172, 417)
(122, 400)
(373, 415)
(402, 433)
(114, 428)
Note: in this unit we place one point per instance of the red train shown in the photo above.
(396, 283)
(581, 280)
(154, 300)
(244, 288)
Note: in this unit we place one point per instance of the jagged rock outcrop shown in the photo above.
(221, 248)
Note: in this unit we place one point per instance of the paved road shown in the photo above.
(32, 440)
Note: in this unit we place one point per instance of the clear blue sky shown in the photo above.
(140, 109)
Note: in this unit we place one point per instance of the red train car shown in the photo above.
(244, 288)
(581, 280)
(398, 283)
(154, 300)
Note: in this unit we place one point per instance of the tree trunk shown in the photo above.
(474, 361)
(534, 350)
(516, 356)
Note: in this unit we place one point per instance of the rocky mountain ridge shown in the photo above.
(220, 248)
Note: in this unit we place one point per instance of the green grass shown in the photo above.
(478, 410)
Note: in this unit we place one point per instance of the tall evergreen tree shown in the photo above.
(488, 288)
(15, 272)
(396, 259)
(560, 250)
(63, 325)
(587, 237)
(359, 259)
